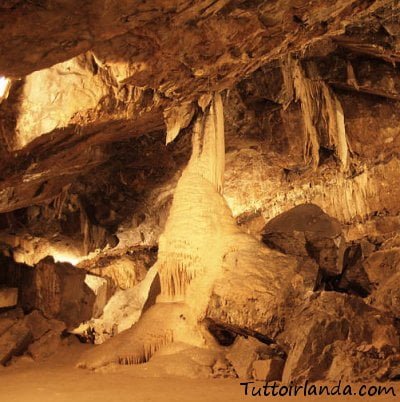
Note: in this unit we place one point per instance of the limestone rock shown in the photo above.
(383, 270)
(387, 296)
(9, 318)
(39, 325)
(223, 369)
(382, 264)
(306, 230)
(176, 119)
(122, 310)
(14, 341)
(268, 370)
(332, 323)
(244, 352)
(8, 297)
(354, 279)
(100, 289)
(5, 324)
(59, 291)
(46, 346)
(122, 272)
(256, 289)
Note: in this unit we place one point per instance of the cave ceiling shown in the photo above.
(85, 75)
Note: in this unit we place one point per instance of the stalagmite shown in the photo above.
(186, 239)
(201, 245)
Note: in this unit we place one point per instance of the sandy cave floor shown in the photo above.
(57, 380)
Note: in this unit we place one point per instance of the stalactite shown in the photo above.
(319, 105)
(307, 92)
(58, 202)
(177, 118)
(336, 126)
(287, 76)
(94, 236)
(208, 155)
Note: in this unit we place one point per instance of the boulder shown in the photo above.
(329, 324)
(8, 297)
(268, 370)
(256, 291)
(14, 341)
(244, 352)
(46, 346)
(99, 286)
(387, 296)
(59, 291)
(122, 310)
(39, 325)
(307, 231)
(383, 270)
(8, 318)
(354, 278)
(382, 264)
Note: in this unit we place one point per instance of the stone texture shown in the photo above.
(387, 296)
(110, 28)
(39, 325)
(46, 346)
(244, 352)
(311, 105)
(333, 324)
(99, 287)
(8, 297)
(137, 69)
(354, 278)
(307, 231)
(14, 341)
(256, 291)
(59, 291)
(268, 370)
(122, 272)
(382, 268)
(381, 265)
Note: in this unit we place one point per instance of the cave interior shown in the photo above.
(202, 189)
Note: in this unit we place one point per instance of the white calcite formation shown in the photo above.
(201, 253)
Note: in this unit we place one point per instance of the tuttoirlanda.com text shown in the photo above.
(275, 389)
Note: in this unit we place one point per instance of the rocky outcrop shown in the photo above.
(59, 291)
(307, 232)
(383, 270)
(8, 297)
(122, 272)
(333, 325)
(14, 341)
(354, 278)
(251, 358)
(28, 334)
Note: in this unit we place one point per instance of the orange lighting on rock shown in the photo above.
(66, 257)
(4, 86)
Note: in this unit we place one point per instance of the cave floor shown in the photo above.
(57, 380)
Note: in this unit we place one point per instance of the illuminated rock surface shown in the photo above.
(210, 178)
